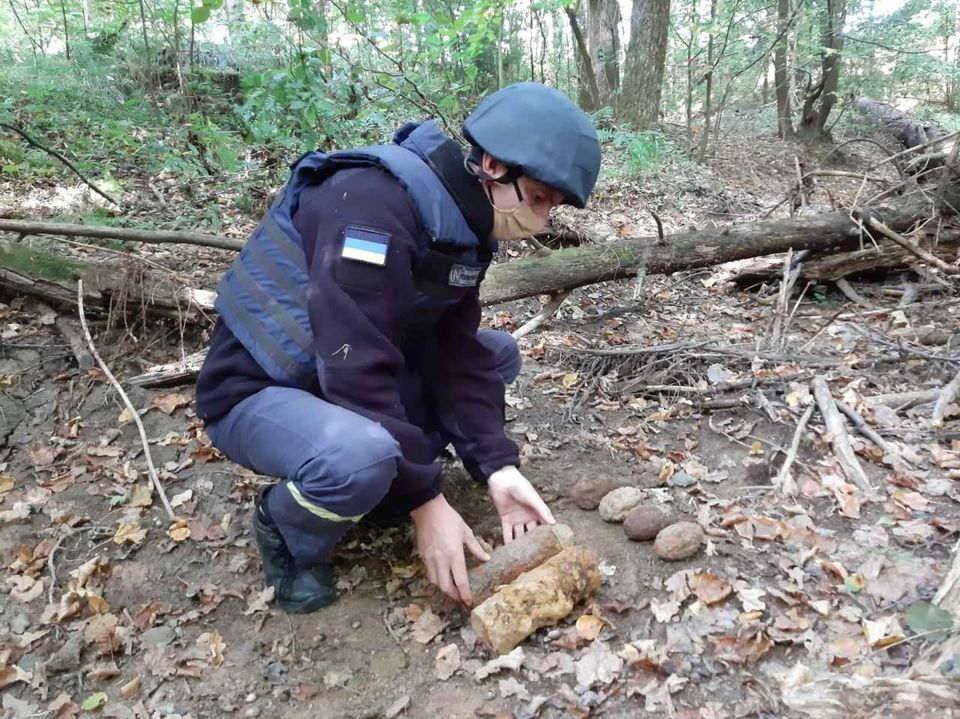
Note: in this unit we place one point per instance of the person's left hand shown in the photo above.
(517, 502)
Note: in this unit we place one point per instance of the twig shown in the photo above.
(51, 568)
(927, 257)
(780, 482)
(546, 312)
(948, 597)
(902, 400)
(151, 470)
(800, 193)
(820, 331)
(840, 440)
(915, 148)
(949, 393)
(867, 431)
(65, 161)
(843, 284)
(786, 285)
(540, 249)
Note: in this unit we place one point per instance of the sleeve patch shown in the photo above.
(363, 245)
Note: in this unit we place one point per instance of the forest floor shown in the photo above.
(111, 609)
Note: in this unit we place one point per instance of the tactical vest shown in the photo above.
(262, 297)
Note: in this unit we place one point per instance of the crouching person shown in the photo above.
(347, 355)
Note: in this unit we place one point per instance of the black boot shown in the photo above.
(297, 590)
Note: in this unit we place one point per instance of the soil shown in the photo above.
(208, 648)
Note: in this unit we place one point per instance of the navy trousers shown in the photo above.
(335, 466)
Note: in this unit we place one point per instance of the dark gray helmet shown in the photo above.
(541, 131)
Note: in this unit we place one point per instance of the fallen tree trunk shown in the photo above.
(886, 256)
(598, 262)
(25, 270)
(911, 132)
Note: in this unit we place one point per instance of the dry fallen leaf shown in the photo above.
(664, 611)
(589, 627)
(129, 533)
(882, 632)
(447, 661)
(260, 601)
(741, 650)
(597, 665)
(169, 403)
(25, 589)
(709, 588)
(63, 707)
(427, 626)
(179, 531)
(141, 496)
(6, 483)
(131, 688)
(214, 644)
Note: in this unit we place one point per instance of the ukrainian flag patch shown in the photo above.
(363, 245)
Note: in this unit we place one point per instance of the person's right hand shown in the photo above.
(441, 536)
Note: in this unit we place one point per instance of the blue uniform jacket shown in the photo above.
(384, 355)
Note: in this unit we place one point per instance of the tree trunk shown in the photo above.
(143, 29)
(603, 41)
(588, 78)
(822, 96)
(642, 82)
(66, 28)
(708, 90)
(781, 75)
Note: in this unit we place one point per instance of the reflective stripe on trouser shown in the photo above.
(335, 465)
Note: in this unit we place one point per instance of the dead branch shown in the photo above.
(783, 481)
(869, 432)
(840, 440)
(65, 161)
(151, 469)
(949, 393)
(927, 257)
(23, 227)
(546, 312)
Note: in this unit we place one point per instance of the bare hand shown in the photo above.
(517, 502)
(441, 536)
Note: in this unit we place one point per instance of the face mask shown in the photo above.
(515, 224)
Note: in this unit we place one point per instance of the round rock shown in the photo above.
(615, 505)
(678, 541)
(588, 491)
(643, 523)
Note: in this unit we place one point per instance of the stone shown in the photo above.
(681, 479)
(643, 523)
(588, 491)
(678, 541)
(616, 504)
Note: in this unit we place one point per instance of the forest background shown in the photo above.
(235, 89)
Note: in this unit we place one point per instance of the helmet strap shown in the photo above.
(473, 163)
